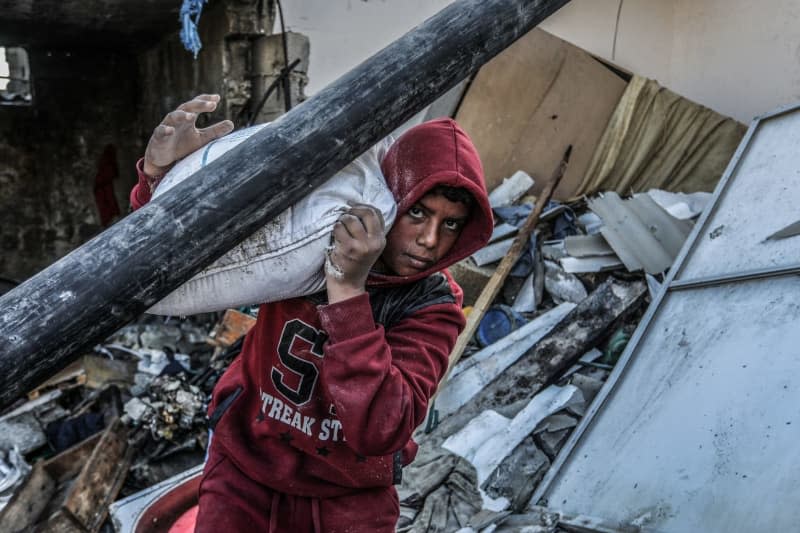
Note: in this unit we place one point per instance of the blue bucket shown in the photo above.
(497, 322)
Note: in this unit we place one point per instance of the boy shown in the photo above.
(313, 421)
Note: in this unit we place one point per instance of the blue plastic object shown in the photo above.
(190, 18)
(497, 322)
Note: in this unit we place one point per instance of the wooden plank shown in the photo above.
(68, 463)
(533, 99)
(578, 332)
(70, 377)
(101, 371)
(24, 508)
(231, 328)
(495, 283)
(100, 478)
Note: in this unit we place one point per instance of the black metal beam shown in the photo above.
(87, 295)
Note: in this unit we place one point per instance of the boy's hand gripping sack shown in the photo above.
(284, 258)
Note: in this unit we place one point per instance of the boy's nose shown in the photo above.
(428, 236)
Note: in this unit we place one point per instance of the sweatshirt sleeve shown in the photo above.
(142, 192)
(380, 381)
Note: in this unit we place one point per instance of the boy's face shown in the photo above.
(423, 235)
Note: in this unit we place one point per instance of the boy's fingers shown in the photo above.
(179, 117)
(370, 217)
(340, 232)
(163, 131)
(353, 225)
(200, 103)
(209, 97)
(216, 131)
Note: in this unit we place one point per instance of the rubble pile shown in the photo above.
(133, 412)
(541, 354)
(145, 388)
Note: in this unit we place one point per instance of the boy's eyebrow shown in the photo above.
(419, 203)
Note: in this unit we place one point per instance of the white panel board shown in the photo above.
(762, 197)
(703, 430)
(700, 431)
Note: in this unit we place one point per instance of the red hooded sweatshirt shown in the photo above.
(323, 399)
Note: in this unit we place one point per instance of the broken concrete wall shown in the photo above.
(233, 56)
(84, 99)
(88, 98)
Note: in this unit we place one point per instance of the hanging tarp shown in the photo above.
(657, 139)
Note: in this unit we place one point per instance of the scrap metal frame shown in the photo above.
(670, 285)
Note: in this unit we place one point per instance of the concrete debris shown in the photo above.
(72, 421)
(642, 234)
(496, 413)
(558, 422)
(174, 406)
(154, 361)
(681, 205)
(490, 437)
(550, 442)
(493, 252)
(587, 246)
(474, 373)
(517, 475)
(511, 189)
(23, 432)
(588, 385)
(136, 409)
(562, 286)
(13, 471)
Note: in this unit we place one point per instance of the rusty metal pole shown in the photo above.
(87, 295)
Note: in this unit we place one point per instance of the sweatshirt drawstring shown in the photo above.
(273, 512)
(315, 515)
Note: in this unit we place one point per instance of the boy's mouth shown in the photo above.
(419, 263)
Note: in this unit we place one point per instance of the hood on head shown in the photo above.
(436, 153)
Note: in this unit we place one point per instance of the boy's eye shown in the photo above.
(415, 212)
(452, 225)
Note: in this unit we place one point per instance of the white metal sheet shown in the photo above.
(697, 428)
(763, 196)
(703, 429)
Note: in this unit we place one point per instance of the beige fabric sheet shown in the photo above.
(658, 139)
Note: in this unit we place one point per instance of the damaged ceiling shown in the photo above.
(114, 23)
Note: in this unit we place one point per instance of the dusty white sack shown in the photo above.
(283, 259)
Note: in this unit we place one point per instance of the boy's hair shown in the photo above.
(454, 194)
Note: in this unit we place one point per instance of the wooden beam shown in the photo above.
(577, 332)
(495, 283)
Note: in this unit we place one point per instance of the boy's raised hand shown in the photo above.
(177, 136)
(358, 238)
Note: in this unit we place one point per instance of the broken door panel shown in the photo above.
(696, 429)
(762, 198)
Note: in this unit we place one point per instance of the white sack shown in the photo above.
(284, 258)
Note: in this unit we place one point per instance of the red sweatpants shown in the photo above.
(231, 502)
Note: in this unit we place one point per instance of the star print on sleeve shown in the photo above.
(286, 437)
(323, 451)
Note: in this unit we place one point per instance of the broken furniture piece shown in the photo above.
(71, 492)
